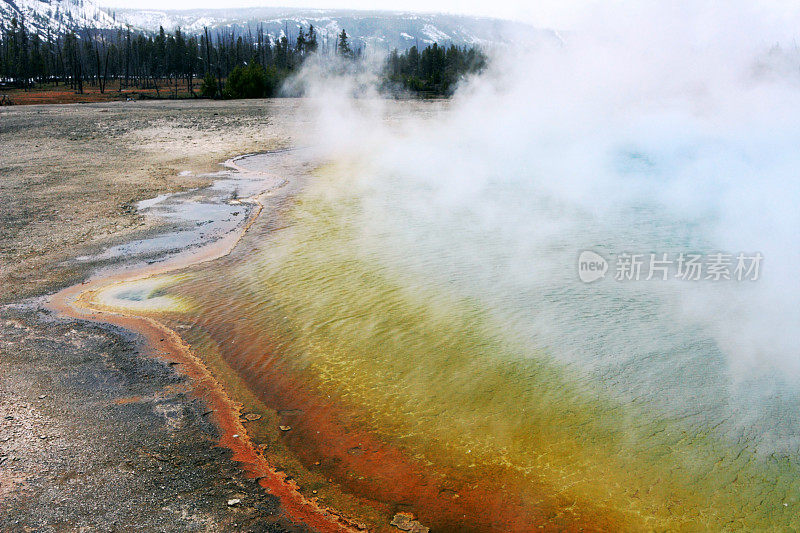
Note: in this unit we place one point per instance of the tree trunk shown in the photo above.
(97, 60)
(105, 74)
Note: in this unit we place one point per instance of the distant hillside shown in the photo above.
(56, 16)
(368, 29)
(372, 29)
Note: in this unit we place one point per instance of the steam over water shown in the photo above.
(461, 336)
(415, 313)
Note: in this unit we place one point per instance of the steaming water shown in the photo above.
(382, 310)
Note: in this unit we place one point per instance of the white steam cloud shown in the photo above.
(655, 128)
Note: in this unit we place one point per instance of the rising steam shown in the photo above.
(652, 129)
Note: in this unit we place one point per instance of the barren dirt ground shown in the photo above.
(71, 174)
(93, 435)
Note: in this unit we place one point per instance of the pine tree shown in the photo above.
(300, 45)
(343, 46)
(311, 40)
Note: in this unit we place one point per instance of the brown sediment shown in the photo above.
(130, 399)
(76, 302)
(387, 475)
(48, 94)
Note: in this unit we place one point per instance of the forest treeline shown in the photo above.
(225, 64)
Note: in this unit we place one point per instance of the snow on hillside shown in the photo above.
(377, 29)
(152, 20)
(367, 29)
(56, 16)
